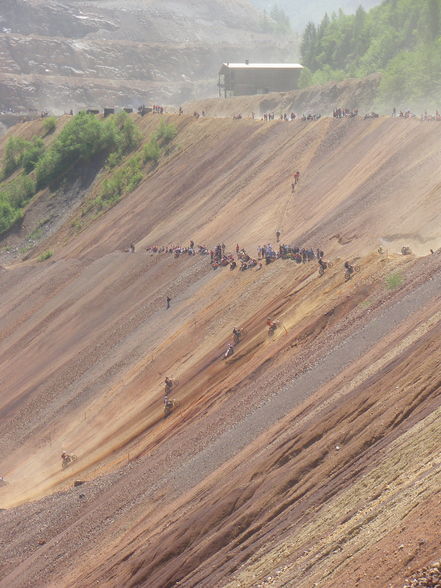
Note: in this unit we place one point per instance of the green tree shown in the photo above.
(13, 156)
(32, 154)
(18, 192)
(399, 38)
(83, 137)
(305, 78)
(308, 47)
(8, 216)
(128, 136)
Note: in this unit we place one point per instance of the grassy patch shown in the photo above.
(25, 249)
(38, 232)
(366, 303)
(77, 225)
(45, 255)
(122, 181)
(394, 281)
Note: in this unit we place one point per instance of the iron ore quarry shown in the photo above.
(220, 309)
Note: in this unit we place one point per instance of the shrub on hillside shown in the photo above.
(13, 198)
(165, 133)
(18, 192)
(123, 180)
(50, 124)
(81, 139)
(22, 153)
(128, 136)
(8, 216)
(152, 151)
(84, 137)
(45, 255)
(32, 154)
(13, 156)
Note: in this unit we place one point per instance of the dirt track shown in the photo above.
(85, 344)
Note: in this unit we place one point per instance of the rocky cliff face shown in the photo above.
(66, 55)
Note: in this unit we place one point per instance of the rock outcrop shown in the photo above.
(66, 55)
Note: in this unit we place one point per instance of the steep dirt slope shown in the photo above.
(354, 173)
(309, 456)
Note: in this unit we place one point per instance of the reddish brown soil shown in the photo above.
(308, 458)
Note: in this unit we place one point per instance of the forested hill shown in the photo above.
(300, 12)
(400, 38)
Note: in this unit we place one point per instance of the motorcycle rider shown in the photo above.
(349, 270)
(229, 351)
(67, 458)
(272, 325)
(237, 334)
(168, 382)
(169, 405)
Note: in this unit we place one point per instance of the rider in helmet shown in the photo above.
(236, 334)
(230, 350)
(271, 324)
(348, 267)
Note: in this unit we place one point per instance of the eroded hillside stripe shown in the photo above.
(267, 414)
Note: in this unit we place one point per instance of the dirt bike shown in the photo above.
(327, 264)
(68, 459)
(172, 385)
(272, 328)
(169, 407)
(238, 336)
(229, 352)
(348, 274)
